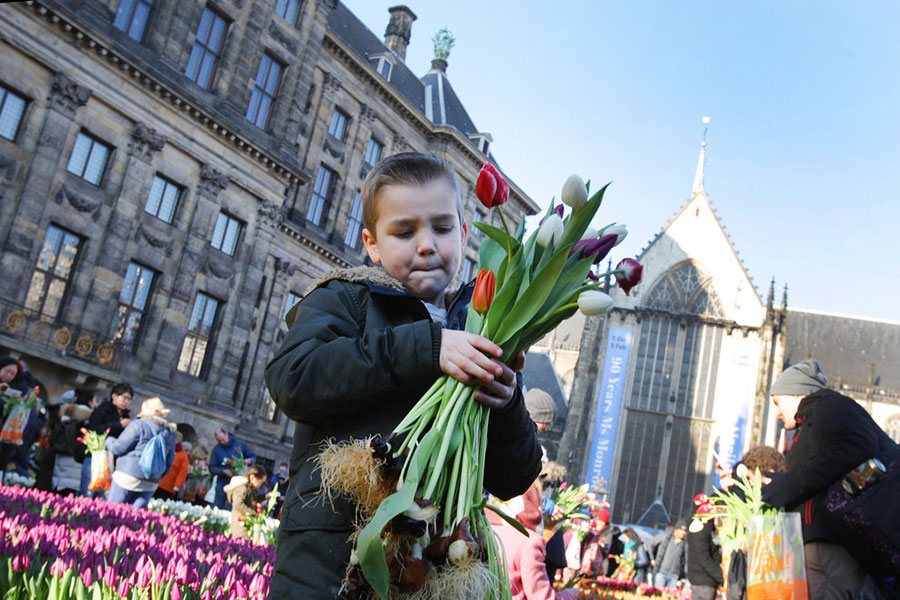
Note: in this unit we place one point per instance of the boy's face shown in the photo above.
(418, 237)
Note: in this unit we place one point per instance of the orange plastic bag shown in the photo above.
(775, 565)
(101, 472)
(15, 424)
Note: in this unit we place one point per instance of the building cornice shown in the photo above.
(320, 248)
(367, 74)
(84, 35)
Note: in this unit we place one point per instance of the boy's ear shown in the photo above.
(465, 234)
(371, 246)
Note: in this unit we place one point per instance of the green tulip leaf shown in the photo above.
(528, 304)
(498, 235)
(503, 300)
(491, 255)
(371, 554)
(518, 526)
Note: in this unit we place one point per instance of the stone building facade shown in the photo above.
(175, 174)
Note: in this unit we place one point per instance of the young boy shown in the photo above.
(366, 343)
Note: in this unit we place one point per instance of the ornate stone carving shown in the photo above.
(330, 83)
(270, 213)
(367, 114)
(399, 143)
(79, 203)
(154, 241)
(8, 167)
(145, 141)
(67, 95)
(218, 271)
(212, 180)
(335, 148)
(282, 38)
(283, 269)
(326, 6)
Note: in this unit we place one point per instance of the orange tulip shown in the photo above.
(483, 295)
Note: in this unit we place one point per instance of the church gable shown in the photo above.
(691, 267)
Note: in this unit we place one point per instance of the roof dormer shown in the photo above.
(383, 62)
(482, 141)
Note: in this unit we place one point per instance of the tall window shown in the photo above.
(199, 335)
(12, 107)
(53, 272)
(467, 267)
(321, 194)
(373, 152)
(289, 9)
(88, 159)
(207, 46)
(163, 199)
(264, 89)
(354, 225)
(338, 127)
(225, 235)
(289, 303)
(132, 17)
(132, 302)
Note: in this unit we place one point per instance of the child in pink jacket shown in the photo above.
(525, 555)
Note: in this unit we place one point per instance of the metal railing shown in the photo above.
(65, 339)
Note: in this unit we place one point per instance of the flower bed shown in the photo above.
(605, 588)
(210, 518)
(70, 547)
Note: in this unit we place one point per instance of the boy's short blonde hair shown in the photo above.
(406, 168)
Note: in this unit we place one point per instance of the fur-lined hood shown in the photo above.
(372, 276)
(236, 482)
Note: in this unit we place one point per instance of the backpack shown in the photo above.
(153, 456)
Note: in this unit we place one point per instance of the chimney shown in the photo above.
(396, 36)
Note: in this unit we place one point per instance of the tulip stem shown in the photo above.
(508, 237)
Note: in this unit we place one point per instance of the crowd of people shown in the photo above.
(48, 444)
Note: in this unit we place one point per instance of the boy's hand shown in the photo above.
(463, 357)
(499, 392)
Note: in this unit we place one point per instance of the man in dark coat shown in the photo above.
(113, 415)
(834, 435)
(704, 564)
(228, 448)
(671, 562)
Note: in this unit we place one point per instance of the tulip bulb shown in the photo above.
(462, 552)
(593, 303)
(574, 192)
(550, 231)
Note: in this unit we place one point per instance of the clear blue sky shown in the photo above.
(803, 160)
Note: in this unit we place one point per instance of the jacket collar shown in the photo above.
(809, 403)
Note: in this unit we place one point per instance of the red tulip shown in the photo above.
(628, 274)
(485, 286)
(491, 189)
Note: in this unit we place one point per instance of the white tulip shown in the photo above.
(550, 231)
(574, 193)
(593, 303)
(590, 233)
(619, 230)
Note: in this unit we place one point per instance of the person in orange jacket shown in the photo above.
(172, 483)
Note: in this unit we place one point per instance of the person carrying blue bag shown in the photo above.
(144, 452)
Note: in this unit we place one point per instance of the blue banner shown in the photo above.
(609, 404)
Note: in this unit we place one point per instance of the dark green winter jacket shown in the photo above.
(359, 353)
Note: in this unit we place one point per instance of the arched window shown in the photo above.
(685, 289)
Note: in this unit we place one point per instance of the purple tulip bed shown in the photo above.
(57, 548)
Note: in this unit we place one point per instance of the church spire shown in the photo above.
(701, 163)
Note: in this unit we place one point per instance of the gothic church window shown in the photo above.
(53, 272)
(12, 107)
(88, 159)
(265, 88)
(132, 17)
(207, 47)
(684, 289)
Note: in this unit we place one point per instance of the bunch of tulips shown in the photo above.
(423, 531)
(54, 547)
(574, 502)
